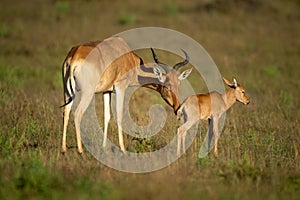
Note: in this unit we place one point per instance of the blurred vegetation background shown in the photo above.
(256, 41)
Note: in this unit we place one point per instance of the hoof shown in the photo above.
(63, 152)
(123, 149)
(81, 153)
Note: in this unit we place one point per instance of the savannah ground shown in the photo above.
(256, 41)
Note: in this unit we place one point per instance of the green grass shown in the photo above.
(170, 8)
(126, 18)
(3, 31)
(255, 41)
(62, 6)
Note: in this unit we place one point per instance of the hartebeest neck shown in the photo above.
(229, 97)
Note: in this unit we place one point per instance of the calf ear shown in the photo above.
(185, 74)
(229, 83)
(158, 74)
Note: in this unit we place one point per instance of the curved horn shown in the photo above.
(180, 64)
(162, 65)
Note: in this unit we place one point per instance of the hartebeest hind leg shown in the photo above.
(66, 117)
(85, 100)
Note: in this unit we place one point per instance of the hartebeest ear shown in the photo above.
(158, 73)
(185, 74)
(229, 83)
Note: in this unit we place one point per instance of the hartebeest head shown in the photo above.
(170, 80)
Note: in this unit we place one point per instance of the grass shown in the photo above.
(62, 6)
(170, 8)
(126, 19)
(259, 147)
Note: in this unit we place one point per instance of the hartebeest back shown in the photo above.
(110, 66)
(208, 106)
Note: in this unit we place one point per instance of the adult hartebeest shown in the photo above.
(208, 106)
(110, 66)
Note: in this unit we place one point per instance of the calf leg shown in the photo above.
(216, 135)
(181, 133)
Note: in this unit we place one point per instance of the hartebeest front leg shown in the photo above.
(106, 99)
(120, 92)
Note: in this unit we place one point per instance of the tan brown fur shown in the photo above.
(208, 106)
(110, 66)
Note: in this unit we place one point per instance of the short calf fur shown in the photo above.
(209, 106)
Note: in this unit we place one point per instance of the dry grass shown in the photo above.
(256, 41)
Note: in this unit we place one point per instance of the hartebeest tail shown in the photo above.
(69, 83)
(208, 106)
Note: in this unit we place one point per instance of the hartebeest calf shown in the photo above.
(208, 106)
(110, 66)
